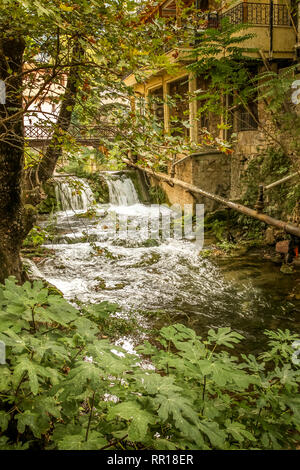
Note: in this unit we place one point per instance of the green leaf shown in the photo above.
(59, 311)
(224, 336)
(85, 375)
(140, 419)
(102, 310)
(4, 420)
(214, 433)
(181, 410)
(77, 441)
(38, 424)
(24, 366)
(177, 332)
(86, 328)
(163, 444)
(155, 383)
(238, 431)
(5, 378)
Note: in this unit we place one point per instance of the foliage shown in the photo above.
(268, 167)
(218, 227)
(275, 89)
(63, 387)
(227, 70)
(157, 195)
(35, 237)
(223, 70)
(110, 324)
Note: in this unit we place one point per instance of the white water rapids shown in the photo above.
(122, 191)
(150, 277)
(73, 194)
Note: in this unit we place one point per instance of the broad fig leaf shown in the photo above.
(77, 441)
(224, 336)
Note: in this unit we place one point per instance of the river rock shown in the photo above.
(287, 269)
(269, 236)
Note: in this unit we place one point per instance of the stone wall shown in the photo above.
(209, 171)
(249, 145)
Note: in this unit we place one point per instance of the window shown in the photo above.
(247, 119)
(156, 103)
(207, 119)
(179, 110)
(246, 116)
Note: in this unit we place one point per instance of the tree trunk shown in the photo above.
(17, 208)
(11, 158)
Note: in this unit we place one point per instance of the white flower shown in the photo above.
(88, 359)
(109, 397)
(117, 353)
(146, 365)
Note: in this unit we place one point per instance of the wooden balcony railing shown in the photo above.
(257, 14)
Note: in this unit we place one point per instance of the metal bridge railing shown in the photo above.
(37, 132)
(45, 133)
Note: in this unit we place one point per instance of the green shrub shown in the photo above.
(35, 237)
(63, 387)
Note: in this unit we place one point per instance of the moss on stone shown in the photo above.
(50, 203)
(158, 195)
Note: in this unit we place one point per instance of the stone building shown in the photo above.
(275, 44)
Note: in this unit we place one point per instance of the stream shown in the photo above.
(160, 281)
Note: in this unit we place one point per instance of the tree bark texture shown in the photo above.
(21, 192)
(11, 158)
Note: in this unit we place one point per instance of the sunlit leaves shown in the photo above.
(36, 423)
(138, 418)
(224, 337)
(78, 442)
(65, 386)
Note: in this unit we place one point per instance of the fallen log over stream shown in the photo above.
(287, 227)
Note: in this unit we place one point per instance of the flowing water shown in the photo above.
(73, 194)
(121, 190)
(161, 280)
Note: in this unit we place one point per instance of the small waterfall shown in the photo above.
(73, 194)
(121, 190)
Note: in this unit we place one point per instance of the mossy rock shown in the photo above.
(287, 269)
(158, 195)
(99, 187)
(50, 203)
(150, 242)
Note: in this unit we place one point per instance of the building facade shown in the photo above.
(274, 27)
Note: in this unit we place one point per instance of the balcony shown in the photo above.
(270, 25)
(258, 14)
